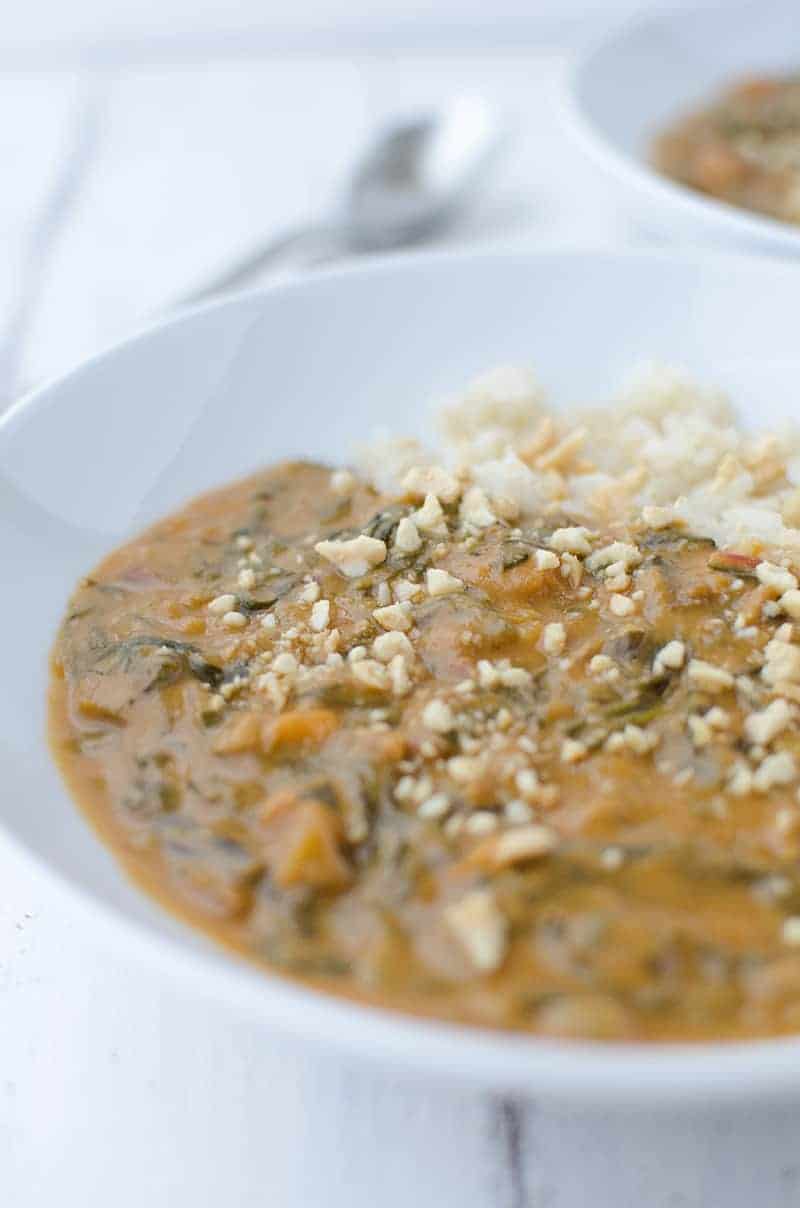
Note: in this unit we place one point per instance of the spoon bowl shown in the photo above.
(417, 175)
(409, 184)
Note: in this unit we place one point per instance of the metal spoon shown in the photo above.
(409, 184)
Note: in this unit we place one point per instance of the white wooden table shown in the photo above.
(123, 186)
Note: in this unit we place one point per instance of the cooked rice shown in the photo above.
(664, 443)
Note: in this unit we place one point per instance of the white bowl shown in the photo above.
(625, 89)
(308, 368)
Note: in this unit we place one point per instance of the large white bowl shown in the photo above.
(624, 89)
(307, 369)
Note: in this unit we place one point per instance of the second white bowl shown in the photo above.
(625, 89)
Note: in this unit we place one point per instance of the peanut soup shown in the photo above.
(509, 739)
(743, 148)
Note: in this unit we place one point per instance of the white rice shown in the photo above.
(664, 441)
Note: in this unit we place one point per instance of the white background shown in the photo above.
(121, 25)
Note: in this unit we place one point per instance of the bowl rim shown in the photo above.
(637, 173)
(474, 1058)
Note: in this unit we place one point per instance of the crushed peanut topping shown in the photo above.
(761, 727)
(574, 540)
(554, 638)
(776, 578)
(407, 539)
(441, 583)
(524, 843)
(708, 678)
(394, 616)
(388, 645)
(603, 665)
(660, 517)
(546, 560)
(422, 481)
(480, 927)
(343, 482)
(619, 554)
(777, 769)
(320, 615)
(222, 604)
(354, 557)
(781, 662)
(430, 518)
(572, 750)
(621, 606)
(790, 931)
(234, 620)
(670, 657)
(434, 807)
(438, 716)
(476, 511)
(790, 603)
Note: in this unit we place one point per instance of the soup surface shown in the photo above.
(514, 759)
(743, 148)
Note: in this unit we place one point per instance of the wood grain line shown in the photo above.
(509, 1123)
(68, 184)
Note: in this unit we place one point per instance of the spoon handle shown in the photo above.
(301, 247)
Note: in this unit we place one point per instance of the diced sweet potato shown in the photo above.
(717, 168)
(389, 747)
(192, 626)
(298, 727)
(278, 805)
(92, 710)
(211, 870)
(303, 843)
(242, 733)
(756, 88)
(249, 731)
(102, 698)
